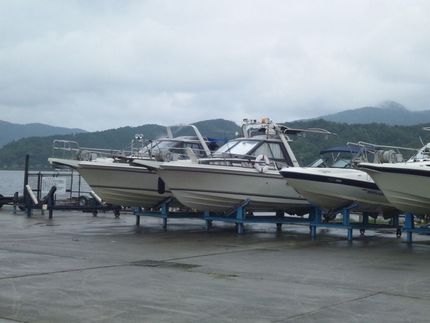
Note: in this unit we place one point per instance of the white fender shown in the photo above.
(262, 168)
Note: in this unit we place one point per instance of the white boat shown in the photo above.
(338, 185)
(406, 185)
(64, 163)
(117, 182)
(72, 154)
(334, 189)
(243, 169)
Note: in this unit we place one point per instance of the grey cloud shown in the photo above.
(104, 64)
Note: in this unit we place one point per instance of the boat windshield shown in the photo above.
(342, 163)
(166, 144)
(236, 147)
(148, 147)
(339, 157)
(156, 146)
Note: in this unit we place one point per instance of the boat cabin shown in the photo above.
(250, 148)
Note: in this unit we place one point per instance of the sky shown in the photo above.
(98, 65)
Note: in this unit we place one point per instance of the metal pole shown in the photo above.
(71, 184)
(79, 185)
(346, 222)
(240, 217)
(315, 215)
(279, 214)
(165, 214)
(206, 215)
(39, 185)
(27, 158)
(15, 201)
(138, 211)
(27, 200)
(409, 226)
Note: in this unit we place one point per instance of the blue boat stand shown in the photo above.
(316, 222)
(410, 228)
(240, 216)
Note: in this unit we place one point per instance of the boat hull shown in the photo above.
(122, 184)
(64, 163)
(405, 186)
(219, 189)
(334, 189)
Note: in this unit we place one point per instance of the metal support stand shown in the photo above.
(165, 212)
(316, 219)
(236, 215)
(240, 218)
(279, 214)
(137, 212)
(409, 226)
(27, 200)
(31, 200)
(346, 222)
(28, 208)
(395, 223)
(362, 225)
(49, 199)
(15, 202)
(365, 222)
(206, 216)
(161, 210)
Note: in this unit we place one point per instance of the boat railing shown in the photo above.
(138, 148)
(252, 127)
(174, 153)
(70, 149)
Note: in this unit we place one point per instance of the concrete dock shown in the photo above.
(80, 268)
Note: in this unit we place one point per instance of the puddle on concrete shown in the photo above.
(267, 249)
(223, 276)
(164, 264)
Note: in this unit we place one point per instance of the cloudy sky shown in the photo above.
(105, 64)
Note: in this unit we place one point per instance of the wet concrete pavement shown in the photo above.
(80, 268)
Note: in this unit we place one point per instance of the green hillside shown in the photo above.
(12, 131)
(12, 155)
(389, 112)
(306, 147)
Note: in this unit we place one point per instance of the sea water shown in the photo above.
(13, 181)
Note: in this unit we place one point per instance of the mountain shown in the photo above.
(12, 155)
(12, 131)
(389, 112)
(306, 148)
